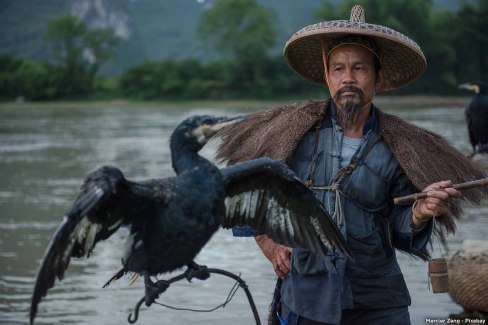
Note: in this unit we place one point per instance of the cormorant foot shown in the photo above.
(153, 290)
(199, 272)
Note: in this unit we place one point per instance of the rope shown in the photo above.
(231, 294)
(338, 214)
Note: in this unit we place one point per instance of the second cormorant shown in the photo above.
(477, 116)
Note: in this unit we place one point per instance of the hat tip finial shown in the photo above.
(357, 14)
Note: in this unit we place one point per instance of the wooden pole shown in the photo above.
(422, 195)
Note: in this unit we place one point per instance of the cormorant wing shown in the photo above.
(106, 202)
(267, 196)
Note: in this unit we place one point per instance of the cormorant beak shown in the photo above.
(206, 131)
(471, 87)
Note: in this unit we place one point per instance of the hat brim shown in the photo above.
(402, 60)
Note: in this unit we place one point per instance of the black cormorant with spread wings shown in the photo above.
(171, 219)
(477, 116)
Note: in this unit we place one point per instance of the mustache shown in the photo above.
(344, 89)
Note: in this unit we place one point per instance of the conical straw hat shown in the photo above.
(402, 60)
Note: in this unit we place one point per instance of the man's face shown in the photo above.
(352, 77)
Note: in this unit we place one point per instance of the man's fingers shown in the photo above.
(439, 197)
(444, 193)
(284, 261)
(444, 184)
(434, 206)
(442, 187)
(453, 192)
(278, 255)
(281, 261)
(285, 266)
(279, 270)
(287, 259)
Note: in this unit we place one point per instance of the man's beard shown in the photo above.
(348, 110)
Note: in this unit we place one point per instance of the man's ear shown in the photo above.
(379, 79)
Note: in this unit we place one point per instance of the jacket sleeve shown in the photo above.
(404, 236)
(244, 231)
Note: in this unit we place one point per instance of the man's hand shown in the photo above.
(436, 204)
(277, 254)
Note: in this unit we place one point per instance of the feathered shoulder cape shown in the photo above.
(424, 156)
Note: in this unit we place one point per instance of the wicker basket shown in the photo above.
(468, 280)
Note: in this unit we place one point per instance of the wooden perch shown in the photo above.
(422, 195)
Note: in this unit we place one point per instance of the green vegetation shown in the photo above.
(244, 33)
(189, 79)
(78, 54)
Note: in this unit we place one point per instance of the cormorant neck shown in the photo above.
(183, 161)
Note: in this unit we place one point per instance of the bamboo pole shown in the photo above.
(422, 195)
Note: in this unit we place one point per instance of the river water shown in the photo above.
(47, 150)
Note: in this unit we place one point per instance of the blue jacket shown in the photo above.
(319, 288)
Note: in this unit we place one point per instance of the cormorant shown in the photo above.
(477, 116)
(171, 219)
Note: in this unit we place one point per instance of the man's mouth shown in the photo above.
(349, 91)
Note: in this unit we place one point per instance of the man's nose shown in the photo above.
(349, 77)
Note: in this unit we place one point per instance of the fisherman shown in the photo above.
(356, 159)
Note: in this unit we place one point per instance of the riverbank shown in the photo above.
(382, 101)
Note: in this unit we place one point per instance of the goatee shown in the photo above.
(348, 110)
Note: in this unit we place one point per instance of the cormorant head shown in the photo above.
(195, 131)
(477, 87)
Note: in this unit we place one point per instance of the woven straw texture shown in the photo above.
(468, 284)
(402, 59)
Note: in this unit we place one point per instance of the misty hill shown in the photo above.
(152, 29)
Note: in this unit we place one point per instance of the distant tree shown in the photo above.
(240, 29)
(243, 32)
(170, 79)
(30, 80)
(79, 52)
(442, 57)
(9, 78)
(100, 45)
(470, 39)
(142, 81)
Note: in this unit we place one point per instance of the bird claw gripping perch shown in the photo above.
(153, 290)
(203, 273)
(196, 271)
